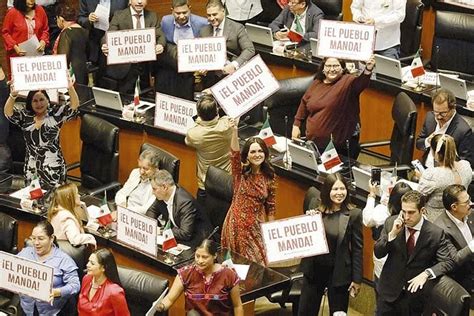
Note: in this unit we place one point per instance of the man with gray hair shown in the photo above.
(173, 203)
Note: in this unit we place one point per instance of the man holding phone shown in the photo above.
(417, 251)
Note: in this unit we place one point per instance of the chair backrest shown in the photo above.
(402, 142)
(141, 289)
(219, 193)
(80, 255)
(100, 152)
(285, 102)
(447, 297)
(332, 9)
(454, 36)
(16, 142)
(411, 28)
(168, 162)
(8, 233)
(311, 199)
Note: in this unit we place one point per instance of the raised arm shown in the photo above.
(74, 98)
(234, 142)
(8, 110)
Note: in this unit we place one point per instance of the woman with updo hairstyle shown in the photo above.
(448, 170)
(101, 291)
(65, 278)
(209, 288)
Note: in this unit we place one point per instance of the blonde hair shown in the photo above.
(64, 198)
(444, 148)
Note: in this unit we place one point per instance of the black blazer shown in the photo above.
(432, 250)
(348, 261)
(458, 129)
(193, 226)
(464, 271)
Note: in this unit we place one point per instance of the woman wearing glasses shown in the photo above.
(330, 106)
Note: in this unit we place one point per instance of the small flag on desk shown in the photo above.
(35, 188)
(228, 260)
(295, 36)
(169, 241)
(105, 217)
(266, 134)
(136, 95)
(416, 67)
(330, 158)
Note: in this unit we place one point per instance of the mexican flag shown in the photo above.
(330, 158)
(295, 36)
(266, 134)
(416, 67)
(105, 217)
(228, 260)
(169, 241)
(136, 95)
(35, 188)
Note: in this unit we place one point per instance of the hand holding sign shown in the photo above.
(19, 51)
(159, 49)
(41, 46)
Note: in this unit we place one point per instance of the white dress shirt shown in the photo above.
(302, 18)
(463, 227)
(241, 10)
(169, 206)
(134, 18)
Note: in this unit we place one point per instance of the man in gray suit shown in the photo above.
(239, 46)
(457, 223)
(134, 17)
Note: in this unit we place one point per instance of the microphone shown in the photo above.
(349, 163)
(213, 232)
(286, 139)
(250, 11)
(436, 67)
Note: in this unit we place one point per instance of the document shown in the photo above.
(155, 304)
(102, 13)
(30, 46)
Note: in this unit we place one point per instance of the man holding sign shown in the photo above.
(133, 18)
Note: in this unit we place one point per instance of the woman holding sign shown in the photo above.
(330, 106)
(65, 279)
(253, 200)
(41, 122)
(340, 270)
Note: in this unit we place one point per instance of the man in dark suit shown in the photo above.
(417, 251)
(87, 18)
(181, 24)
(445, 120)
(189, 225)
(301, 16)
(134, 17)
(239, 46)
(458, 224)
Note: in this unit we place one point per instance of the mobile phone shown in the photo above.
(417, 165)
(375, 175)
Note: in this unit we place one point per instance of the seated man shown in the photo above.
(300, 16)
(445, 120)
(211, 137)
(181, 24)
(132, 18)
(137, 193)
(174, 203)
(457, 223)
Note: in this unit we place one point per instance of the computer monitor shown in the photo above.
(260, 34)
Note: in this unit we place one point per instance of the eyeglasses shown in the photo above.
(468, 202)
(442, 114)
(335, 67)
(293, 3)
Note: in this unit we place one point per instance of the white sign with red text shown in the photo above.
(205, 53)
(250, 85)
(39, 73)
(295, 237)
(345, 40)
(25, 276)
(174, 114)
(131, 46)
(136, 230)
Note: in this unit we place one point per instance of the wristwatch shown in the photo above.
(429, 274)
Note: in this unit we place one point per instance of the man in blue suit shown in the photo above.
(181, 24)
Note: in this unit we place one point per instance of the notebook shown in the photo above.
(457, 86)
(361, 178)
(260, 34)
(108, 99)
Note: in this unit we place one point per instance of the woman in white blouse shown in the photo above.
(64, 215)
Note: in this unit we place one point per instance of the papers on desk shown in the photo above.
(30, 46)
(155, 304)
(242, 270)
(23, 193)
(174, 251)
(335, 169)
(429, 78)
(281, 143)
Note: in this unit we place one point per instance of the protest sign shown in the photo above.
(206, 53)
(295, 237)
(174, 114)
(136, 230)
(245, 88)
(39, 72)
(25, 276)
(131, 46)
(345, 40)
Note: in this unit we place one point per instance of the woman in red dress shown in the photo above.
(253, 201)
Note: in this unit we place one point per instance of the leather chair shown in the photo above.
(402, 142)
(99, 156)
(168, 162)
(447, 297)
(9, 302)
(411, 29)
(332, 9)
(219, 192)
(141, 289)
(453, 43)
(285, 102)
(16, 142)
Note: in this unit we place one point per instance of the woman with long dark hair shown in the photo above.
(340, 270)
(253, 201)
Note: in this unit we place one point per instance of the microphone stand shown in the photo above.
(349, 164)
(286, 158)
(436, 67)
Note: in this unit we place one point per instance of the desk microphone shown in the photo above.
(349, 163)
(436, 67)
(286, 139)
(250, 11)
(213, 232)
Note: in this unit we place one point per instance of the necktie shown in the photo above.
(298, 28)
(216, 31)
(139, 23)
(411, 241)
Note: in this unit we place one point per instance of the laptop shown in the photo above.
(108, 99)
(458, 86)
(388, 67)
(260, 34)
(304, 157)
(362, 178)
